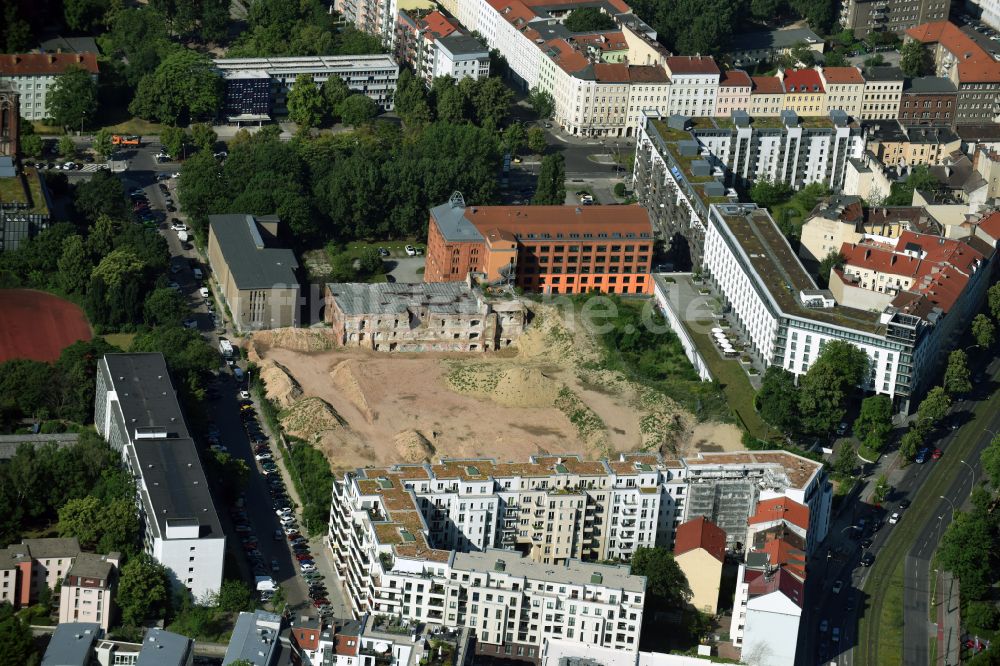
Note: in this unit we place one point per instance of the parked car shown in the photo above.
(410, 251)
(835, 635)
(823, 626)
(936, 454)
(904, 504)
(868, 559)
(837, 586)
(894, 518)
(922, 456)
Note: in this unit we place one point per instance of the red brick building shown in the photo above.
(548, 249)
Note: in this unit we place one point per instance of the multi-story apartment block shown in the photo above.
(734, 93)
(694, 85)
(376, 17)
(845, 89)
(928, 100)
(968, 65)
(371, 75)
(767, 96)
(548, 249)
(137, 412)
(32, 74)
(989, 12)
(437, 316)
(905, 147)
(89, 588)
(33, 565)
(804, 92)
(434, 45)
(882, 93)
(682, 166)
(864, 16)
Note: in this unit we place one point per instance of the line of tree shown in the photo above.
(304, 28)
(482, 102)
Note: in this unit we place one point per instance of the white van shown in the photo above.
(204, 293)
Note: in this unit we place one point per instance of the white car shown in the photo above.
(894, 518)
(410, 251)
(204, 292)
(283, 511)
(264, 456)
(308, 567)
(286, 520)
(69, 166)
(244, 395)
(179, 226)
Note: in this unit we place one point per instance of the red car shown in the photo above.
(937, 454)
(301, 557)
(293, 536)
(321, 602)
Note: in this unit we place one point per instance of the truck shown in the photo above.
(265, 584)
(226, 347)
(125, 140)
(182, 236)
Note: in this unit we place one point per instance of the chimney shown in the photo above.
(52, 58)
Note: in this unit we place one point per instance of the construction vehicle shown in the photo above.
(126, 140)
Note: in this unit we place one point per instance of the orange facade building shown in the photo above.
(548, 249)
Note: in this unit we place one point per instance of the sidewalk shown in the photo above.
(949, 625)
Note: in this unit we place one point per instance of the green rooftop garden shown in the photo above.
(19, 188)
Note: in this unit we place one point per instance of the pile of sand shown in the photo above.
(296, 339)
(413, 447)
(524, 387)
(282, 389)
(310, 417)
(345, 377)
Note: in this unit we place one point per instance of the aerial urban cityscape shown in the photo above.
(499, 332)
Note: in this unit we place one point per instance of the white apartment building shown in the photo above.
(137, 412)
(376, 17)
(882, 93)
(371, 75)
(845, 88)
(89, 588)
(734, 93)
(989, 12)
(434, 45)
(34, 73)
(767, 612)
(694, 85)
(460, 57)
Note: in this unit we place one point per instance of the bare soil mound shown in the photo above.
(346, 377)
(296, 339)
(310, 417)
(412, 447)
(282, 388)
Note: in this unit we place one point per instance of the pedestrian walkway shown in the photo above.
(949, 624)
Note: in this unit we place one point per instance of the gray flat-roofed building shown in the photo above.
(768, 44)
(573, 572)
(256, 638)
(72, 644)
(256, 275)
(164, 648)
(137, 411)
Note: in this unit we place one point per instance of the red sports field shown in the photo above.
(37, 325)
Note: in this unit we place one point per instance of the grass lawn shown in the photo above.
(135, 126)
(120, 340)
(795, 214)
(42, 128)
(890, 640)
(735, 384)
(396, 248)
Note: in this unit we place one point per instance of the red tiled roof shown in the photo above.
(735, 77)
(513, 11)
(692, 65)
(622, 73)
(974, 63)
(759, 584)
(767, 85)
(564, 55)
(842, 75)
(522, 220)
(701, 533)
(605, 41)
(782, 554)
(306, 638)
(27, 64)
(438, 25)
(802, 81)
(991, 225)
(781, 508)
(346, 645)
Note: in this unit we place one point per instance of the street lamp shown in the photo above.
(971, 469)
(951, 504)
(992, 432)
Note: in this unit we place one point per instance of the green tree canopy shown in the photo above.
(835, 259)
(32, 145)
(85, 15)
(165, 307)
(514, 138)
(492, 102)
(173, 140)
(536, 140)
(101, 527)
(768, 193)
(138, 39)
(184, 87)
(358, 110)
(72, 98)
(102, 143)
(832, 378)
(984, 331)
(846, 460)
(305, 102)
(17, 646)
(103, 194)
(66, 146)
(542, 103)
(993, 300)
(551, 186)
(933, 407)
(588, 19)
(990, 460)
(874, 423)
(203, 137)
(966, 549)
(665, 582)
(912, 441)
(335, 91)
(914, 59)
(778, 399)
(957, 378)
(143, 591)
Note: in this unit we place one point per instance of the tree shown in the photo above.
(874, 423)
(32, 145)
(234, 596)
(102, 143)
(984, 331)
(185, 86)
(966, 549)
(665, 582)
(990, 460)
(766, 10)
(492, 102)
(914, 59)
(138, 38)
(846, 460)
(911, 442)
(824, 389)
(957, 378)
(15, 32)
(451, 105)
(920, 178)
(173, 139)
(835, 58)
(85, 15)
(541, 103)
(75, 265)
(99, 526)
(165, 307)
(66, 146)
(778, 399)
(588, 19)
(993, 300)
(410, 92)
(16, 643)
(120, 266)
(769, 193)
(72, 98)
(103, 194)
(803, 55)
(536, 140)
(619, 190)
(335, 91)
(933, 407)
(882, 489)
(514, 138)
(305, 102)
(370, 263)
(551, 186)
(835, 259)
(358, 110)
(143, 591)
(203, 137)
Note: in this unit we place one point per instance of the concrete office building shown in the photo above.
(547, 249)
(32, 74)
(256, 276)
(439, 316)
(865, 16)
(89, 588)
(137, 412)
(371, 75)
(684, 165)
(971, 68)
